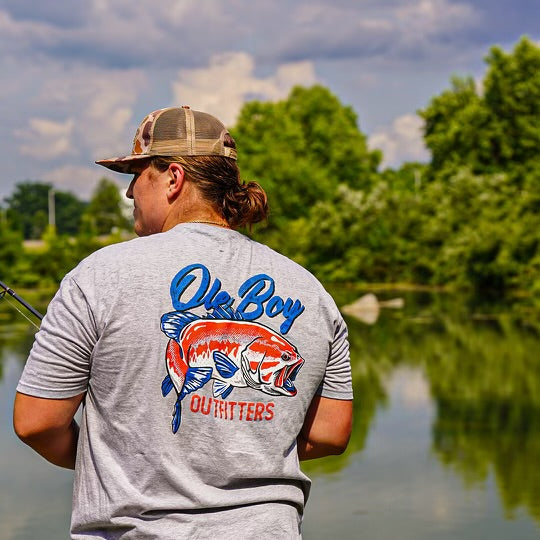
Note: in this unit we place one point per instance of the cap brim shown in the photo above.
(122, 164)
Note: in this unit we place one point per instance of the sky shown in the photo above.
(78, 76)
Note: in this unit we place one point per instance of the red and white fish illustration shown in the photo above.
(234, 353)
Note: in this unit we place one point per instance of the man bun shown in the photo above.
(245, 204)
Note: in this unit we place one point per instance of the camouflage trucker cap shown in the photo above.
(174, 131)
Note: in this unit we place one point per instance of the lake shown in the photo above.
(446, 439)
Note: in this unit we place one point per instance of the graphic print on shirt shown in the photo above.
(223, 346)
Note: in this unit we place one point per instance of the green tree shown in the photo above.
(69, 210)
(105, 213)
(28, 209)
(495, 130)
(11, 251)
(512, 96)
(301, 148)
(452, 122)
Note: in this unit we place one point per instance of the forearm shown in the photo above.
(326, 430)
(48, 426)
(313, 450)
(59, 445)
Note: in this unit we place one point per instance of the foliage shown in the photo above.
(104, 213)
(28, 209)
(491, 131)
(468, 219)
(486, 386)
(11, 251)
(299, 149)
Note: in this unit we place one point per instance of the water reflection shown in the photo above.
(16, 335)
(475, 369)
(483, 374)
(487, 389)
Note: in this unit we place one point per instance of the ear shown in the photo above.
(175, 179)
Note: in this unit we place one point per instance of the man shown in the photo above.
(207, 363)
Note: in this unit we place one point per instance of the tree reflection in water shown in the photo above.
(484, 377)
(486, 386)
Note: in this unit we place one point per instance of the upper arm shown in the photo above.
(33, 415)
(327, 427)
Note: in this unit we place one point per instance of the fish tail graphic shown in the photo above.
(196, 378)
(177, 415)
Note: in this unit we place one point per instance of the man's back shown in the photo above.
(200, 351)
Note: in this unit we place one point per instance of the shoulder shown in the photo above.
(294, 270)
(118, 254)
(293, 275)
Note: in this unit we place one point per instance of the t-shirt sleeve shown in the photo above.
(337, 381)
(59, 363)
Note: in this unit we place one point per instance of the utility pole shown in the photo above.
(52, 211)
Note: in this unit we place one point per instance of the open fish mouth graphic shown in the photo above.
(285, 377)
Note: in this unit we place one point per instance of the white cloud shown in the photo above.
(433, 16)
(18, 35)
(96, 108)
(402, 141)
(105, 127)
(396, 31)
(229, 80)
(415, 393)
(79, 180)
(91, 70)
(46, 139)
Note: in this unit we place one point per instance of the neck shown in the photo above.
(218, 222)
(189, 207)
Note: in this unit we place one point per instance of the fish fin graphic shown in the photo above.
(226, 313)
(225, 366)
(195, 378)
(173, 322)
(177, 416)
(166, 385)
(222, 389)
(227, 392)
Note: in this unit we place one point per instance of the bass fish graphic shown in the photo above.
(232, 352)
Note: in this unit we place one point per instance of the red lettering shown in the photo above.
(242, 405)
(195, 403)
(221, 404)
(247, 411)
(259, 409)
(209, 405)
(231, 407)
(269, 411)
(249, 416)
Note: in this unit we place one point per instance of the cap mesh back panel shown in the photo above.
(170, 125)
(206, 126)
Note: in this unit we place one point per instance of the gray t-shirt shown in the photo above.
(200, 351)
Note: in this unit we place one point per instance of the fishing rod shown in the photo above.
(11, 292)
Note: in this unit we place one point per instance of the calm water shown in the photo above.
(446, 441)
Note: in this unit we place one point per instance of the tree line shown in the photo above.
(469, 218)
(80, 227)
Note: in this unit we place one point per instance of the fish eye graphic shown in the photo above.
(285, 357)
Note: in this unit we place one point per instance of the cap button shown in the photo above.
(186, 107)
